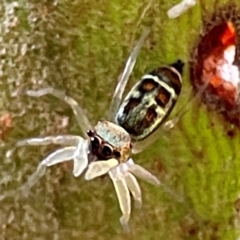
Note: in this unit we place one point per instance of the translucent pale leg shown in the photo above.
(125, 182)
(78, 111)
(61, 155)
(61, 140)
(78, 153)
(80, 160)
(122, 82)
(124, 199)
(42, 141)
(99, 168)
(134, 188)
(142, 173)
(180, 8)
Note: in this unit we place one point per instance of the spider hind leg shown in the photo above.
(124, 77)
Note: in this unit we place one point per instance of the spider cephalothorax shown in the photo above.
(108, 140)
(107, 147)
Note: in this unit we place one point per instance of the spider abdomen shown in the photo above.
(150, 101)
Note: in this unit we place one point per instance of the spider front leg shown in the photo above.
(124, 77)
(125, 182)
(78, 111)
(58, 156)
(43, 141)
(77, 153)
(60, 139)
(124, 198)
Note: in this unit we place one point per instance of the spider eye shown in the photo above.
(116, 154)
(90, 133)
(95, 142)
(106, 151)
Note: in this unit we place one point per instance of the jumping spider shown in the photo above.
(107, 147)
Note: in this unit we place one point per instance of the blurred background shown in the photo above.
(81, 47)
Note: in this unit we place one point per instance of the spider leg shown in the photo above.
(82, 119)
(99, 168)
(134, 188)
(124, 181)
(123, 79)
(80, 160)
(72, 140)
(142, 173)
(61, 140)
(124, 199)
(180, 8)
(61, 155)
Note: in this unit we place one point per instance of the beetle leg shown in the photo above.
(124, 77)
(82, 119)
(99, 168)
